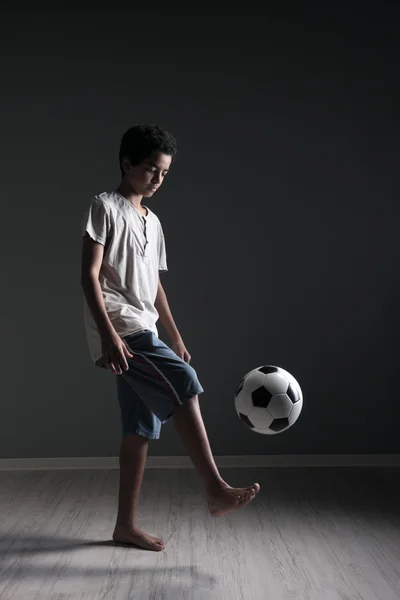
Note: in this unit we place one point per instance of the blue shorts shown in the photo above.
(156, 382)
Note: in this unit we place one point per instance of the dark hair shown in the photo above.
(140, 141)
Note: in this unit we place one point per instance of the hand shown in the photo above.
(115, 353)
(179, 348)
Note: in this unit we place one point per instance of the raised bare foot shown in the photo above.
(137, 537)
(226, 499)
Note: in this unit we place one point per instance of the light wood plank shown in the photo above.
(311, 534)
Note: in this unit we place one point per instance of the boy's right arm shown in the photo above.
(114, 349)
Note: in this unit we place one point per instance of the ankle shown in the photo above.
(215, 486)
(125, 525)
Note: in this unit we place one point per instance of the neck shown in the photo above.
(129, 193)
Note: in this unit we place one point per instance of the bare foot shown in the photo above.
(137, 537)
(226, 499)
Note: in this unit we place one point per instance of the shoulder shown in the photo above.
(109, 203)
(105, 199)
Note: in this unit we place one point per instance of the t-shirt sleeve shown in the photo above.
(162, 253)
(96, 221)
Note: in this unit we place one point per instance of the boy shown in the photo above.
(123, 252)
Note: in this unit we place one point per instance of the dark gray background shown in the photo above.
(280, 216)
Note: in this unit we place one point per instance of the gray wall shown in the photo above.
(279, 216)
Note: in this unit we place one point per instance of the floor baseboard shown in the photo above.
(184, 462)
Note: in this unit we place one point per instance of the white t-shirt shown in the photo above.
(133, 256)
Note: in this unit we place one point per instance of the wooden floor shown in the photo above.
(312, 534)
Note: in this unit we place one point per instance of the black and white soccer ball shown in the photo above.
(268, 400)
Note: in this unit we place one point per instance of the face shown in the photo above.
(146, 177)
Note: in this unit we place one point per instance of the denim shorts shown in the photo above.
(157, 380)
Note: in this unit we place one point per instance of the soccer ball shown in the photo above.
(268, 400)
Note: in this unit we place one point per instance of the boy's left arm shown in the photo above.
(169, 324)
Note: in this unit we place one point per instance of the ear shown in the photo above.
(126, 164)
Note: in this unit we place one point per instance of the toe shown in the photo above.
(245, 496)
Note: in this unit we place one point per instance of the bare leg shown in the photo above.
(221, 497)
(132, 460)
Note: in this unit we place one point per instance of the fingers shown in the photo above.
(119, 360)
(127, 353)
(114, 364)
(114, 367)
(123, 361)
